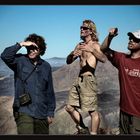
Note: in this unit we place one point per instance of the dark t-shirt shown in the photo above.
(129, 78)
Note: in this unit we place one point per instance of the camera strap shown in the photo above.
(24, 81)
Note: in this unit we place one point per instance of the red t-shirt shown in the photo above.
(129, 78)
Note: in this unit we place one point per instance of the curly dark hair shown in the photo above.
(39, 41)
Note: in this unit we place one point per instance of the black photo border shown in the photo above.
(69, 2)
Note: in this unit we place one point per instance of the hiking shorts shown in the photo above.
(83, 93)
(129, 124)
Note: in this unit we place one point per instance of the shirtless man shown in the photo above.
(83, 92)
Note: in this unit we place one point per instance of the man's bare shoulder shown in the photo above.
(95, 44)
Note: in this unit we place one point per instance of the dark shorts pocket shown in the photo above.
(136, 123)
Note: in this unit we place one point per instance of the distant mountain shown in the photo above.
(64, 75)
(56, 61)
(106, 76)
(4, 69)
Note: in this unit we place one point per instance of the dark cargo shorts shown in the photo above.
(129, 124)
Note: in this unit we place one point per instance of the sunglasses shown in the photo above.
(134, 39)
(84, 28)
(32, 47)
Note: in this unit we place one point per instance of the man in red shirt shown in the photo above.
(128, 66)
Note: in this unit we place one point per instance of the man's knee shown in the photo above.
(95, 114)
(69, 108)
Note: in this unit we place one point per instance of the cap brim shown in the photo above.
(130, 34)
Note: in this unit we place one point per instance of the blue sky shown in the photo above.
(60, 24)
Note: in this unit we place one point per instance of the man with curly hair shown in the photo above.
(34, 101)
(83, 92)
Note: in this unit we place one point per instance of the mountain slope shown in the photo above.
(105, 73)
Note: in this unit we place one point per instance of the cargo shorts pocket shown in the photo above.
(136, 124)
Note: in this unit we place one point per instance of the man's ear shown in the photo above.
(90, 32)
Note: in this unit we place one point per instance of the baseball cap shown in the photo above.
(135, 34)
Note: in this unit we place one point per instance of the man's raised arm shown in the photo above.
(106, 43)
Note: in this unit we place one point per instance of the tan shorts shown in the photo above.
(83, 93)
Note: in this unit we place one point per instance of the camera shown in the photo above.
(116, 30)
(25, 99)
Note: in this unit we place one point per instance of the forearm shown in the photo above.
(99, 55)
(51, 105)
(9, 53)
(51, 96)
(70, 58)
(106, 43)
